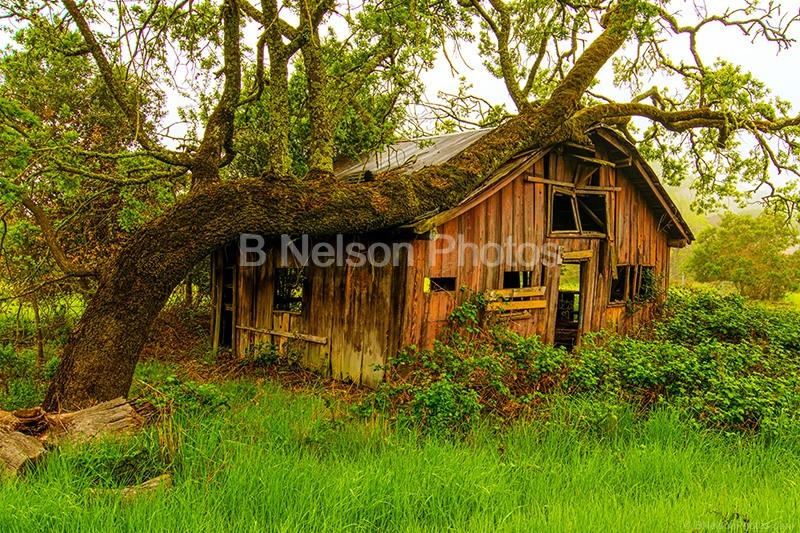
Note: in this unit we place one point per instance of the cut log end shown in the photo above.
(163, 482)
(17, 451)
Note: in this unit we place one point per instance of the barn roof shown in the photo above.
(414, 154)
(409, 155)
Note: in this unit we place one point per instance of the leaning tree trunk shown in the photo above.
(102, 351)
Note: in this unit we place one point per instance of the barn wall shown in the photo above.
(354, 314)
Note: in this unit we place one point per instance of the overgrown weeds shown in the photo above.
(721, 362)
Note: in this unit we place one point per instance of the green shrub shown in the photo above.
(18, 385)
(719, 360)
(174, 392)
(478, 368)
(261, 355)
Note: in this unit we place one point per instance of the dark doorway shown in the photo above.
(225, 264)
(570, 301)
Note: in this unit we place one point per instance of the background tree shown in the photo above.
(757, 254)
(331, 72)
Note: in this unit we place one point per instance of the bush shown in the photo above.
(723, 362)
(18, 386)
(265, 354)
(174, 392)
(479, 368)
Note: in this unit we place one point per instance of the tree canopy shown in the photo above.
(757, 254)
(93, 168)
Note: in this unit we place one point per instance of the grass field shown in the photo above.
(276, 460)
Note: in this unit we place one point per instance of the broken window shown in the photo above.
(563, 215)
(619, 286)
(289, 289)
(517, 279)
(594, 179)
(582, 213)
(441, 284)
(646, 283)
(592, 211)
(634, 282)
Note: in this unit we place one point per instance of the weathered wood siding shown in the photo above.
(356, 310)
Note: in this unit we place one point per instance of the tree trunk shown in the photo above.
(189, 294)
(101, 353)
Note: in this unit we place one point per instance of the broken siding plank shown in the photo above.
(492, 238)
(553, 275)
(526, 292)
(578, 255)
(352, 348)
(516, 305)
(286, 334)
(518, 229)
(418, 305)
(376, 325)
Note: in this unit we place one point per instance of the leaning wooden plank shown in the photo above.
(525, 292)
(534, 179)
(16, 451)
(593, 160)
(288, 334)
(517, 305)
(107, 418)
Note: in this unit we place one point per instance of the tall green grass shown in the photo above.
(282, 461)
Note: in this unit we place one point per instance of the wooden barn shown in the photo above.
(590, 228)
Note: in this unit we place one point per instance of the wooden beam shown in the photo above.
(593, 160)
(624, 163)
(585, 188)
(525, 292)
(583, 172)
(579, 255)
(287, 334)
(592, 188)
(534, 179)
(516, 305)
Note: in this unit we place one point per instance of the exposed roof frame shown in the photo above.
(649, 175)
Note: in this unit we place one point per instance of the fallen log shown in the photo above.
(24, 433)
(107, 418)
(8, 421)
(17, 450)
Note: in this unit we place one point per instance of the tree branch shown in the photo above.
(117, 91)
(48, 233)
